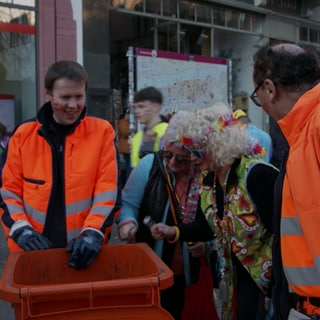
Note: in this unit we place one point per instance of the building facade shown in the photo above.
(98, 33)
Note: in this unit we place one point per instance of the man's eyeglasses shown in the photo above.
(198, 153)
(254, 96)
(179, 158)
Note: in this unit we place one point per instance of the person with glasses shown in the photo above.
(164, 187)
(237, 201)
(286, 79)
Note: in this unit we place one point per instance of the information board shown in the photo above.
(188, 82)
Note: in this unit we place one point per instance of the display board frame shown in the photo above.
(188, 82)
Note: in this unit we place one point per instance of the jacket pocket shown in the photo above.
(35, 181)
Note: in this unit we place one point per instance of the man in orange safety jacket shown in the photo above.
(60, 175)
(287, 86)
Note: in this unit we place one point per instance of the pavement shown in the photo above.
(6, 310)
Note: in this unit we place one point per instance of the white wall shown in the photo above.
(243, 46)
(77, 16)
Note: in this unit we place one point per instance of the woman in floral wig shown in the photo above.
(237, 202)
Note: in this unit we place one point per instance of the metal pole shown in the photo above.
(130, 56)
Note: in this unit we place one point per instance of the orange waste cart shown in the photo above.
(124, 282)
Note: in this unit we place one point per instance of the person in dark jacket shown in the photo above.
(165, 186)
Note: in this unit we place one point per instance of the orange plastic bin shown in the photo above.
(124, 282)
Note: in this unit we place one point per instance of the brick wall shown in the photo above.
(57, 36)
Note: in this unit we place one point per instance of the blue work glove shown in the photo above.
(85, 248)
(29, 239)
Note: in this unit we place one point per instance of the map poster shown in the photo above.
(187, 82)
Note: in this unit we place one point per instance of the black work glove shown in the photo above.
(29, 239)
(85, 248)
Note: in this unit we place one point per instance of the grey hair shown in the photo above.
(225, 143)
(174, 131)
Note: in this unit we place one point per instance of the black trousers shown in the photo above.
(173, 297)
(249, 297)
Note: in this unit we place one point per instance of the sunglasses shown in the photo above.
(179, 158)
(198, 153)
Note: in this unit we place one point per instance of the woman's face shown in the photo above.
(176, 157)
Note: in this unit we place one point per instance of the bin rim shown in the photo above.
(13, 293)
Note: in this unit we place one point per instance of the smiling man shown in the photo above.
(59, 181)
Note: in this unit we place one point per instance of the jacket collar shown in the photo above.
(45, 116)
(292, 123)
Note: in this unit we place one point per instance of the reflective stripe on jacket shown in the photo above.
(300, 213)
(90, 177)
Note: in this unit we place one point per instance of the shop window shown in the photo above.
(219, 17)
(18, 58)
(30, 3)
(314, 36)
(232, 19)
(127, 4)
(204, 14)
(169, 8)
(18, 39)
(304, 34)
(185, 10)
(309, 35)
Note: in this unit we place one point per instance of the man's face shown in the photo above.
(268, 96)
(144, 111)
(68, 100)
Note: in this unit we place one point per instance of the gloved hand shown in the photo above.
(85, 248)
(29, 239)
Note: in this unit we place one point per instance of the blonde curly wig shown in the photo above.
(217, 130)
(173, 131)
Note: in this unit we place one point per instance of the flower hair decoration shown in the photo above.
(189, 141)
(223, 121)
(217, 125)
(255, 149)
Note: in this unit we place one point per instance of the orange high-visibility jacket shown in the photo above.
(300, 213)
(90, 177)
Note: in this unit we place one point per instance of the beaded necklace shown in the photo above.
(187, 212)
(223, 246)
(180, 191)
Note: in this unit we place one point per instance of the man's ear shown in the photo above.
(157, 106)
(270, 90)
(48, 95)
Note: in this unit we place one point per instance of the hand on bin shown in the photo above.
(85, 248)
(29, 239)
